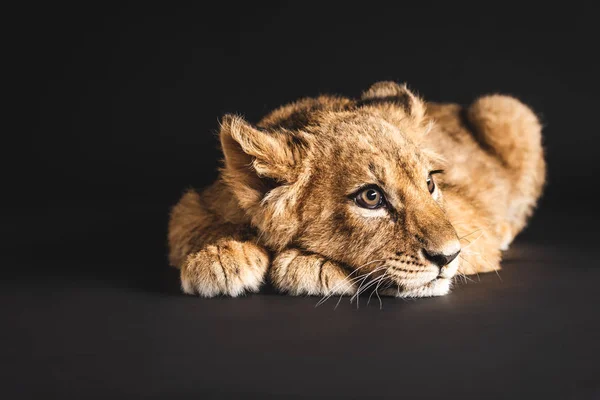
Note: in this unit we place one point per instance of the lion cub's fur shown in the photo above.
(282, 205)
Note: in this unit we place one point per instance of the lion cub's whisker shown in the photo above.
(331, 291)
(469, 234)
(342, 295)
(381, 279)
(360, 289)
(473, 242)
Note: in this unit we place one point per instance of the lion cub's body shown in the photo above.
(280, 206)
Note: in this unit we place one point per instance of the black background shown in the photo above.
(117, 110)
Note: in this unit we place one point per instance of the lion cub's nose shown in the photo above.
(440, 259)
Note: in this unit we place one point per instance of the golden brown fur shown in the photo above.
(285, 203)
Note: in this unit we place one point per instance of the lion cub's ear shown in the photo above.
(256, 160)
(393, 93)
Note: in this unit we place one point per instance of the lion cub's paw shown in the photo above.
(228, 267)
(299, 273)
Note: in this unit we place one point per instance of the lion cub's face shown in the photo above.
(372, 201)
(353, 186)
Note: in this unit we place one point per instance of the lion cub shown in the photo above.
(329, 194)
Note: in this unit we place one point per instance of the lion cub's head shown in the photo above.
(347, 180)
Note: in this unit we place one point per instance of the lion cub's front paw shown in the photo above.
(299, 273)
(228, 267)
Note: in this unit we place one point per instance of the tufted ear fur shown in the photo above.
(255, 160)
(388, 92)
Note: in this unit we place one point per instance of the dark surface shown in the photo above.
(97, 329)
(116, 114)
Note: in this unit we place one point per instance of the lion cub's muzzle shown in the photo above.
(443, 258)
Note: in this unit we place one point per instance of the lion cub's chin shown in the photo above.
(437, 287)
(427, 286)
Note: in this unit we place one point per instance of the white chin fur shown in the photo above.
(438, 287)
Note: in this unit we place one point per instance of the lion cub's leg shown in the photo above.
(300, 273)
(215, 258)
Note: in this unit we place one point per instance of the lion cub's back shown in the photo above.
(470, 169)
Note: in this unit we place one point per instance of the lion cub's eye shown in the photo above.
(430, 184)
(370, 198)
